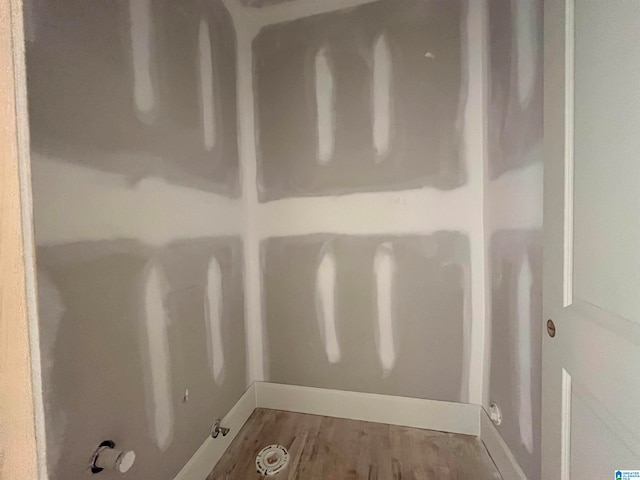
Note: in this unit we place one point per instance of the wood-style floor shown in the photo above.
(336, 449)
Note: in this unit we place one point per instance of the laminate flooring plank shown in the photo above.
(326, 448)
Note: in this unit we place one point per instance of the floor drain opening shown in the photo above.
(272, 459)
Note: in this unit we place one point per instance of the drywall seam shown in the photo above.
(405, 212)
(247, 148)
(525, 394)
(381, 96)
(475, 146)
(284, 12)
(384, 270)
(527, 49)
(158, 357)
(467, 319)
(326, 302)
(207, 99)
(325, 100)
(142, 56)
(486, 211)
(513, 199)
(26, 201)
(246, 21)
(172, 217)
(213, 317)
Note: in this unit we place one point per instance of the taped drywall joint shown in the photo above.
(326, 302)
(325, 105)
(382, 99)
(207, 97)
(384, 269)
(213, 315)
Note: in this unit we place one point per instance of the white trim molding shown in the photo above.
(210, 452)
(498, 450)
(450, 417)
(460, 418)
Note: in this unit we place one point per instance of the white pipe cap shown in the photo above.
(125, 461)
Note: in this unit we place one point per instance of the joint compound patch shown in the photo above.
(272, 459)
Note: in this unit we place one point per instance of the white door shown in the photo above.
(591, 368)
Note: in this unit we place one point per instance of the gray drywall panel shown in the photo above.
(126, 324)
(427, 96)
(516, 341)
(428, 314)
(515, 84)
(86, 81)
(95, 356)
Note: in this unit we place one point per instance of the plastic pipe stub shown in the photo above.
(107, 457)
(125, 461)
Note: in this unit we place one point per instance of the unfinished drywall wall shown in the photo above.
(365, 150)
(378, 243)
(514, 223)
(368, 314)
(125, 333)
(138, 227)
(366, 99)
(148, 87)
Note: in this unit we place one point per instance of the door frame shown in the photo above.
(18, 446)
(557, 281)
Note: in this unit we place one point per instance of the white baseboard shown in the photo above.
(449, 417)
(500, 453)
(203, 461)
(409, 412)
